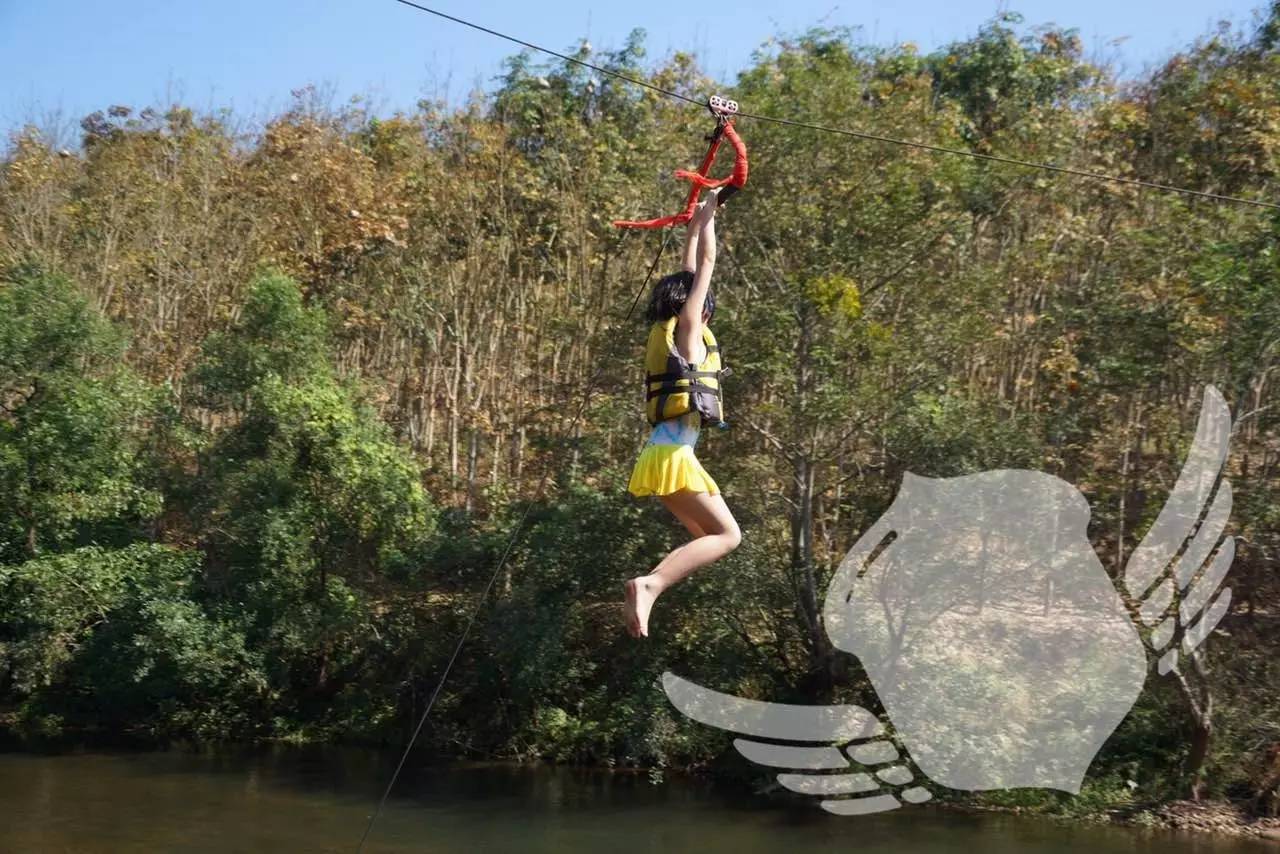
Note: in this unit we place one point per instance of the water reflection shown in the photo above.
(293, 799)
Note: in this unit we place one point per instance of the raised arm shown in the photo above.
(702, 245)
(691, 233)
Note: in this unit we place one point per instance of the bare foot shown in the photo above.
(641, 593)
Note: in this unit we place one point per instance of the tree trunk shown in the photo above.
(1200, 704)
(802, 519)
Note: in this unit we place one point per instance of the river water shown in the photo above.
(319, 800)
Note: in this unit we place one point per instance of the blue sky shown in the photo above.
(76, 56)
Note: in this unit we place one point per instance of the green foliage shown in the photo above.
(1001, 78)
(71, 426)
(949, 435)
(276, 336)
(308, 504)
(112, 639)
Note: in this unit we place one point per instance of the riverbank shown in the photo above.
(1221, 818)
(1207, 817)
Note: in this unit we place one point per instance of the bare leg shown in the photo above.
(686, 518)
(719, 535)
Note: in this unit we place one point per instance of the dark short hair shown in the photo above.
(670, 294)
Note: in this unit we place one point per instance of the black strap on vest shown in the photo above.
(682, 389)
(680, 375)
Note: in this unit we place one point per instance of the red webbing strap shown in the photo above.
(739, 176)
(691, 204)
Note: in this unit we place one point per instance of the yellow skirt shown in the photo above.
(663, 469)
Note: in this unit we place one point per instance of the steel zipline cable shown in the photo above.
(870, 137)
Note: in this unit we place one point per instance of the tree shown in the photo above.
(72, 422)
(306, 505)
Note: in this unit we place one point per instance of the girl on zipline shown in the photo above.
(682, 364)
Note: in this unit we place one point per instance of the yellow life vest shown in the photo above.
(673, 386)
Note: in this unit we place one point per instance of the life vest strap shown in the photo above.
(682, 389)
(680, 375)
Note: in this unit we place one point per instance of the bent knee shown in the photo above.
(732, 537)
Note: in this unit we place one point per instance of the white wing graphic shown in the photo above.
(1181, 562)
(840, 753)
(993, 636)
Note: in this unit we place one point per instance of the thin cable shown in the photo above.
(566, 58)
(937, 149)
(1029, 164)
(484, 596)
